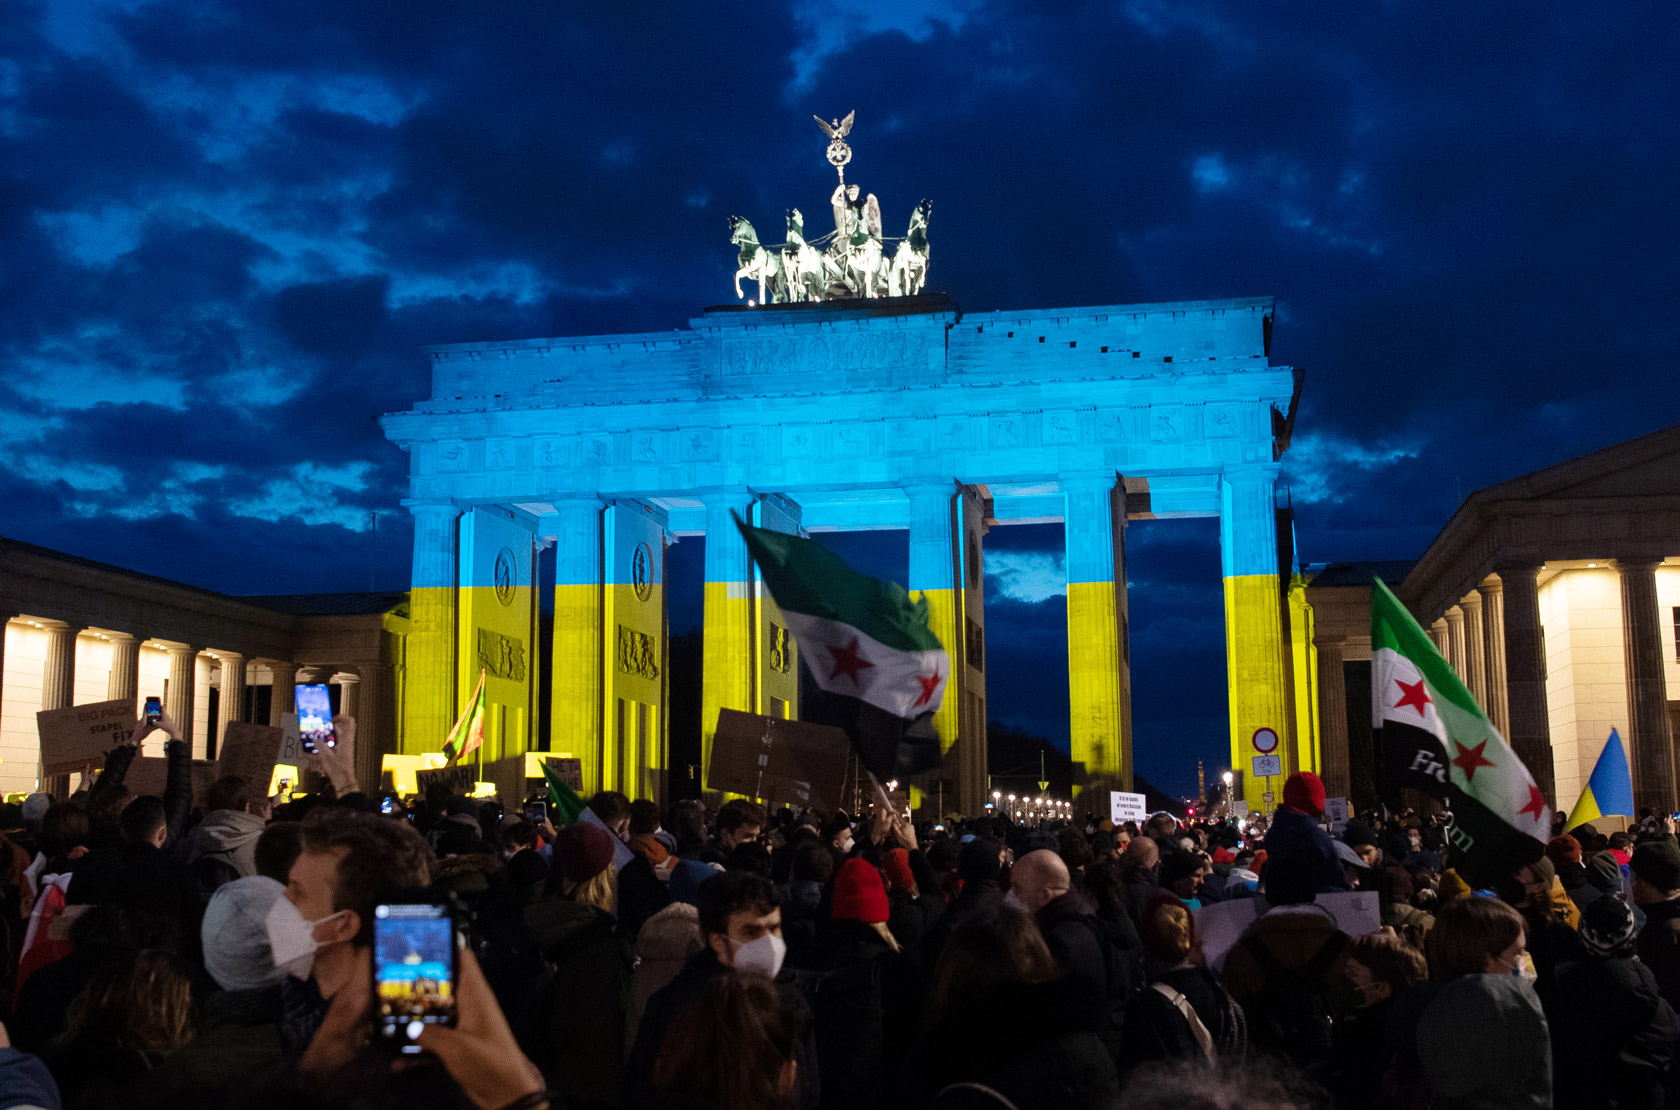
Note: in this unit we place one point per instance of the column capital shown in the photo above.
(444, 509)
(1469, 601)
(1100, 482)
(1638, 564)
(1518, 568)
(1251, 472)
(1493, 587)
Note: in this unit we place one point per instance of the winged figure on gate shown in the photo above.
(851, 261)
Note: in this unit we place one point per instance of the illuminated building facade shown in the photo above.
(1556, 598)
(895, 413)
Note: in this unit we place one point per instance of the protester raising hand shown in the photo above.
(480, 1053)
(338, 762)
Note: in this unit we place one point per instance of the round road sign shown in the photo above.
(1265, 741)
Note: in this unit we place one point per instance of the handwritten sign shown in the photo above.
(251, 751)
(1123, 807)
(570, 771)
(77, 738)
(458, 779)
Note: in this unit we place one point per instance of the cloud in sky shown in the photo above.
(225, 227)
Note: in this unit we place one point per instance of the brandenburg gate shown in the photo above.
(879, 412)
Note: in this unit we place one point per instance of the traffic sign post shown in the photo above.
(1266, 764)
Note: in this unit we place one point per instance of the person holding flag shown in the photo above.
(1437, 740)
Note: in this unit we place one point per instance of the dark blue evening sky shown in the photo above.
(225, 227)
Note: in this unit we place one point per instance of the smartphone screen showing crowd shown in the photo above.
(413, 970)
(154, 710)
(314, 709)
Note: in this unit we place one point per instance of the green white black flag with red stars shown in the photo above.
(1435, 738)
(867, 646)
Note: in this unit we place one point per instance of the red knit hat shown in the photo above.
(858, 894)
(1563, 849)
(895, 863)
(1304, 791)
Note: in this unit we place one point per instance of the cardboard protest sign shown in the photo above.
(150, 775)
(1124, 807)
(458, 779)
(251, 751)
(291, 744)
(77, 738)
(508, 776)
(570, 771)
(1336, 813)
(777, 760)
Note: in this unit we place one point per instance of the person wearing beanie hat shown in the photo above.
(1620, 1054)
(1565, 854)
(1304, 792)
(239, 1025)
(1656, 891)
(864, 1023)
(1182, 875)
(573, 925)
(667, 941)
(644, 883)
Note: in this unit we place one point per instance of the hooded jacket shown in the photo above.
(229, 835)
(1484, 1045)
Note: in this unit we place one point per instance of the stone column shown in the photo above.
(1096, 583)
(282, 690)
(58, 673)
(577, 690)
(727, 668)
(231, 691)
(1475, 649)
(125, 666)
(1652, 755)
(933, 578)
(1256, 658)
(1493, 642)
(375, 713)
(349, 691)
(1531, 732)
(1333, 720)
(1455, 643)
(430, 687)
(183, 684)
(1441, 638)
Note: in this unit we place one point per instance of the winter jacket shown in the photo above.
(228, 835)
(25, 1083)
(1659, 947)
(1617, 1057)
(1484, 1045)
(1296, 841)
(582, 1038)
(1293, 935)
(1573, 877)
(979, 901)
(1019, 1039)
(865, 998)
(1157, 1032)
(1077, 940)
(238, 1036)
(1139, 888)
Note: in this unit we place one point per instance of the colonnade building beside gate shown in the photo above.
(904, 414)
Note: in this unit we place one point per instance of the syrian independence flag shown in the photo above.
(468, 733)
(1435, 738)
(868, 647)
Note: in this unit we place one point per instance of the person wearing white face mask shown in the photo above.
(349, 861)
(741, 925)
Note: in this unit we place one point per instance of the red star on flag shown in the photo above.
(1413, 696)
(848, 662)
(929, 687)
(1468, 759)
(1536, 803)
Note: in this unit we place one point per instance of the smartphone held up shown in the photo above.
(154, 710)
(314, 710)
(414, 970)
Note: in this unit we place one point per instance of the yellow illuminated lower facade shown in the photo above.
(1095, 702)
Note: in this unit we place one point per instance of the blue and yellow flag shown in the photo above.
(1609, 788)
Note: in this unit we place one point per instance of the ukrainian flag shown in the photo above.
(1609, 789)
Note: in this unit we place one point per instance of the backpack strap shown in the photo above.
(1204, 1039)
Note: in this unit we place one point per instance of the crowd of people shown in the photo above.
(745, 959)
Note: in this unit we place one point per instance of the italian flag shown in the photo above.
(468, 733)
(1435, 738)
(867, 646)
